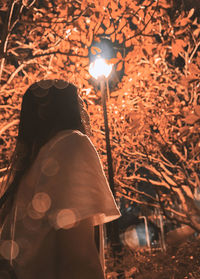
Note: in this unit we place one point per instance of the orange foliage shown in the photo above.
(153, 110)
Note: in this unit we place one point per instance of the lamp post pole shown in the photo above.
(112, 227)
(100, 70)
(107, 136)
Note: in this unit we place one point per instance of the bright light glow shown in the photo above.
(100, 68)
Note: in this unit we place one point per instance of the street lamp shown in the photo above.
(101, 70)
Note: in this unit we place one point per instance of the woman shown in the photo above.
(57, 191)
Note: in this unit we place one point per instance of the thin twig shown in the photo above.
(154, 205)
(3, 169)
(194, 51)
(135, 190)
(7, 126)
(7, 107)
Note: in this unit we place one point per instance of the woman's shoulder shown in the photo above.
(68, 137)
(66, 145)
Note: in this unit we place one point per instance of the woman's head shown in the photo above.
(49, 106)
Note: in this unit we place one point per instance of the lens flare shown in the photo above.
(66, 218)
(41, 202)
(50, 167)
(32, 213)
(9, 249)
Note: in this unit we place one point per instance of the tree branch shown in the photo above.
(145, 26)
(7, 126)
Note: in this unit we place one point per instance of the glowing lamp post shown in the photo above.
(101, 70)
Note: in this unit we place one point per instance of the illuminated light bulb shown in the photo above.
(66, 218)
(41, 202)
(9, 249)
(100, 68)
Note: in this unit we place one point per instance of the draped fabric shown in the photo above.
(66, 184)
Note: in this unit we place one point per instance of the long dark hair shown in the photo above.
(44, 112)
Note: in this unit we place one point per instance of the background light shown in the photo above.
(100, 68)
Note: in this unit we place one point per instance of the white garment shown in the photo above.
(65, 185)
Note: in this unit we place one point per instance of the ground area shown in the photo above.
(181, 262)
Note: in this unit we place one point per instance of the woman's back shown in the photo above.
(59, 201)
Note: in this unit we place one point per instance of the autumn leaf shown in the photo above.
(100, 30)
(177, 47)
(148, 28)
(194, 69)
(113, 61)
(51, 37)
(184, 131)
(83, 5)
(196, 32)
(191, 119)
(197, 110)
(165, 4)
(122, 23)
(77, 12)
(180, 32)
(110, 30)
(95, 50)
(113, 37)
(119, 38)
(119, 67)
(84, 38)
(168, 179)
(128, 43)
(187, 191)
(149, 48)
(113, 5)
(191, 12)
(119, 55)
(184, 21)
(106, 22)
(73, 59)
(135, 20)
